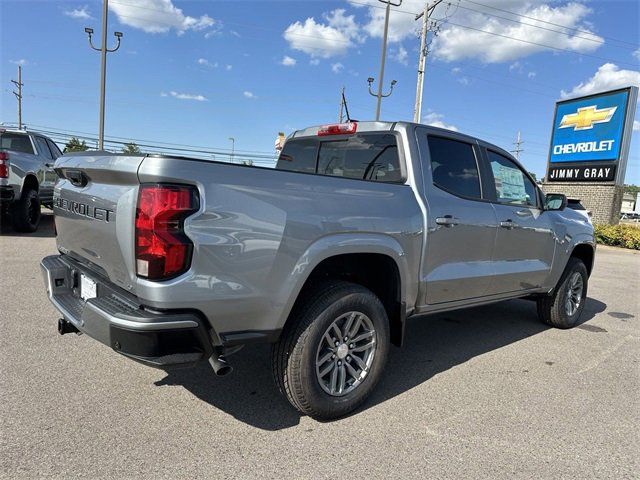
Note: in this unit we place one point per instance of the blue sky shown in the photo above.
(199, 72)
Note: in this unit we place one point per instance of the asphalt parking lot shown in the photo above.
(483, 393)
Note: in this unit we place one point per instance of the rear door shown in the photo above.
(525, 241)
(46, 175)
(461, 223)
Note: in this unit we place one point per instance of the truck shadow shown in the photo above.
(434, 344)
(45, 229)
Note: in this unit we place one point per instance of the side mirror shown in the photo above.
(555, 201)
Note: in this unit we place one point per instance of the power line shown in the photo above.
(635, 45)
(446, 20)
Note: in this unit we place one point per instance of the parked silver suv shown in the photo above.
(27, 177)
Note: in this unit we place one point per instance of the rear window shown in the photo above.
(364, 156)
(299, 156)
(17, 142)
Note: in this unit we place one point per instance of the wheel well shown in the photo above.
(585, 253)
(30, 181)
(376, 272)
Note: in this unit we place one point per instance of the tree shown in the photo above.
(75, 145)
(533, 175)
(131, 149)
(632, 189)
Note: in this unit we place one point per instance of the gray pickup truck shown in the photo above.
(27, 177)
(360, 226)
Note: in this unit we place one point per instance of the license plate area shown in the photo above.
(88, 288)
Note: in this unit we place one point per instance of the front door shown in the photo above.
(525, 240)
(461, 223)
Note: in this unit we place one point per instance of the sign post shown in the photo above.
(589, 148)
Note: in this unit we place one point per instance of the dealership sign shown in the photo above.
(591, 136)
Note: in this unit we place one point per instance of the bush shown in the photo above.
(626, 236)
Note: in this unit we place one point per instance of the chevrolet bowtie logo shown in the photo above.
(586, 117)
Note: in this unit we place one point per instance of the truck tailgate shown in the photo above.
(95, 206)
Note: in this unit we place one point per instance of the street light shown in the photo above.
(384, 56)
(380, 95)
(103, 71)
(233, 147)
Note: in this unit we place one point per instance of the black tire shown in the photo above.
(25, 213)
(552, 309)
(294, 356)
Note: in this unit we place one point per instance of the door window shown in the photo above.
(512, 184)
(55, 151)
(454, 167)
(43, 148)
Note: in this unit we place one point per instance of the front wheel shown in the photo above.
(562, 309)
(333, 352)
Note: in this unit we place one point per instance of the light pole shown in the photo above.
(380, 95)
(103, 72)
(233, 147)
(384, 56)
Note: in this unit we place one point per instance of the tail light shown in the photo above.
(338, 129)
(163, 250)
(4, 164)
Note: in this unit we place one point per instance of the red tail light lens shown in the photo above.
(338, 129)
(4, 165)
(163, 251)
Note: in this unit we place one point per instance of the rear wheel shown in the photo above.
(562, 309)
(25, 212)
(331, 357)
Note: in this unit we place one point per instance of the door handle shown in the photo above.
(447, 221)
(508, 224)
(49, 165)
(525, 212)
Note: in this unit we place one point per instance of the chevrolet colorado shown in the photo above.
(171, 260)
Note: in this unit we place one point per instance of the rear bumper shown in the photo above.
(6, 194)
(158, 339)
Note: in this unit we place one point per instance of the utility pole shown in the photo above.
(425, 15)
(18, 95)
(233, 147)
(341, 105)
(517, 151)
(103, 67)
(383, 59)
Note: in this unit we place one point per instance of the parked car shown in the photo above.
(574, 204)
(27, 177)
(170, 261)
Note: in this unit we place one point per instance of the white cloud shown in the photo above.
(249, 94)
(314, 61)
(324, 40)
(532, 75)
(401, 24)
(81, 13)
(336, 67)
(456, 70)
(636, 54)
(22, 62)
(608, 77)
(184, 96)
(456, 43)
(400, 55)
(636, 126)
(436, 120)
(288, 61)
(515, 66)
(206, 63)
(228, 67)
(161, 16)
